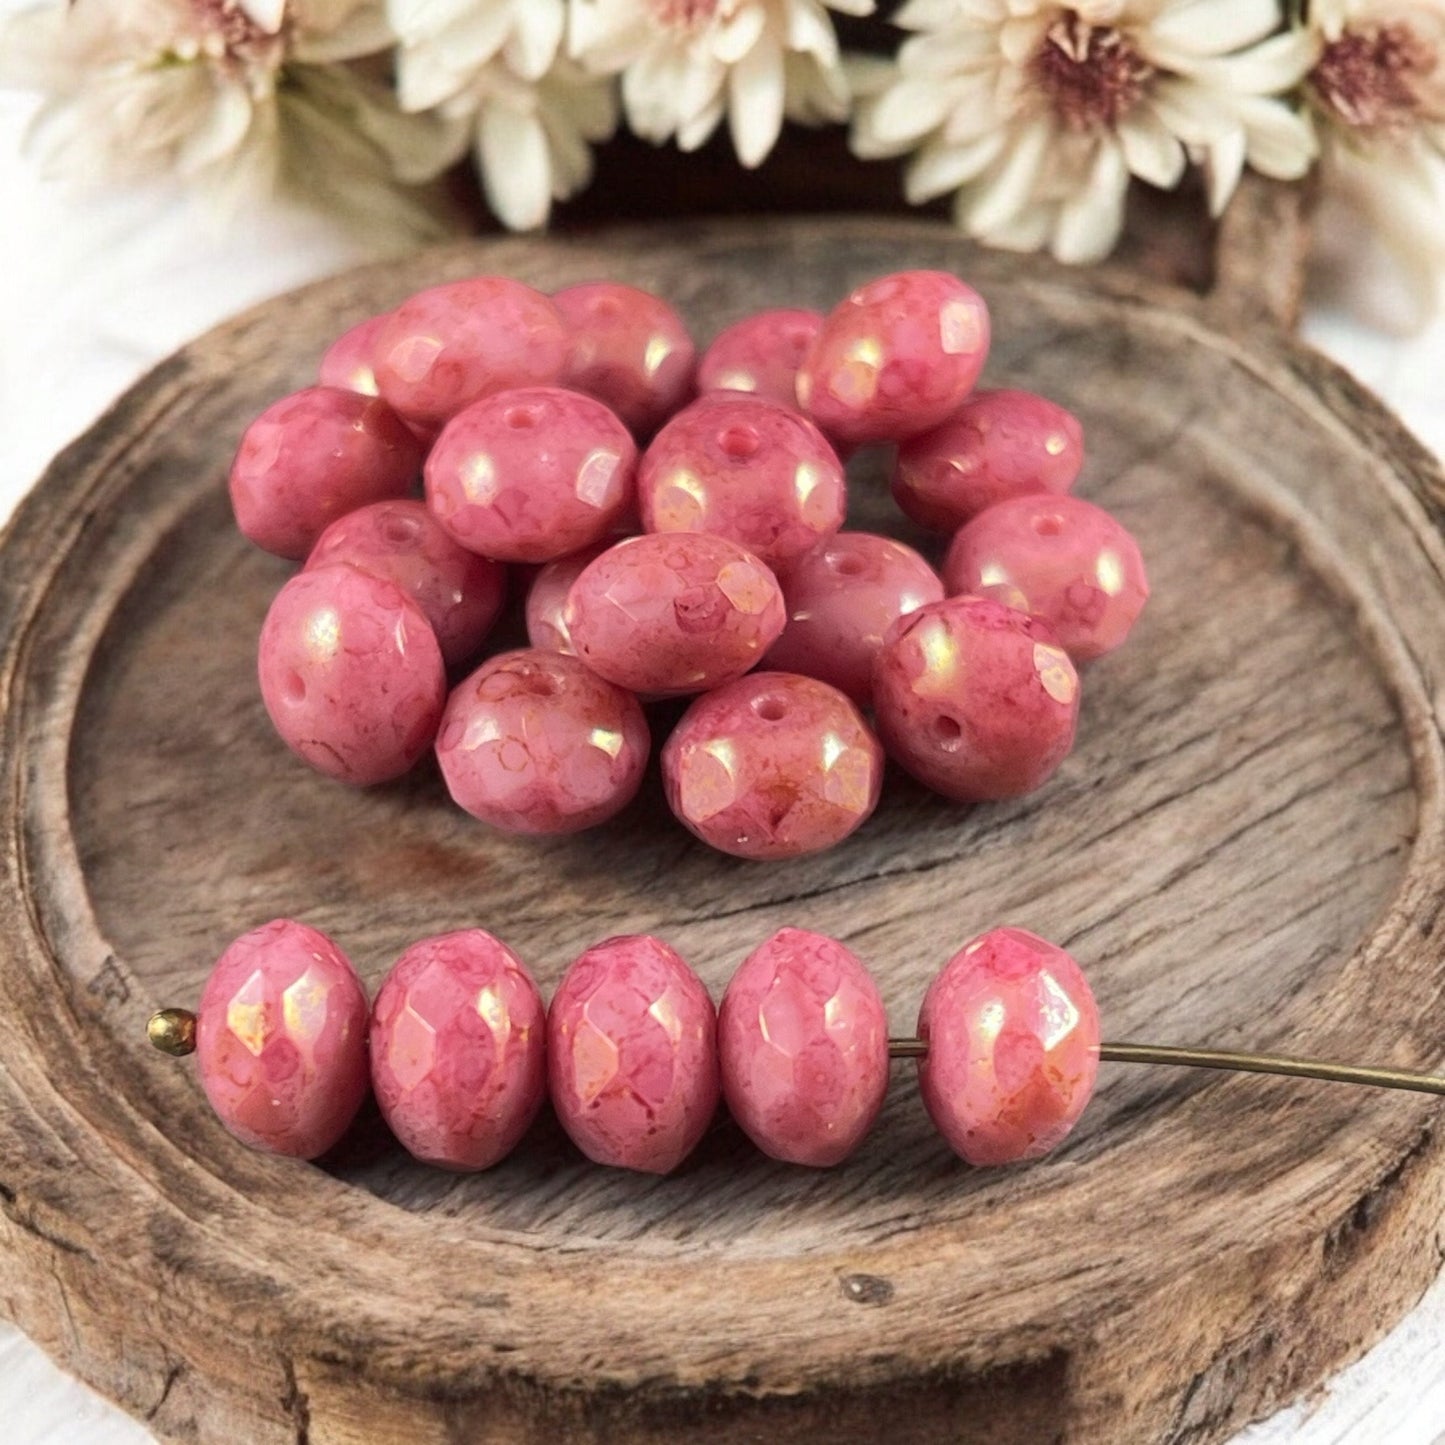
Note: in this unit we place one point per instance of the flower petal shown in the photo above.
(1213, 27)
(1003, 194)
(1089, 222)
(1153, 153)
(516, 166)
(938, 169)
(756, 91)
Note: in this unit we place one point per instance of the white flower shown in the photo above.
(685, 64)
(495, 72)
(1377, 91)
(246, 96)
(1038, 112)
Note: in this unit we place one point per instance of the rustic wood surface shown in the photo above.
(1245, 850)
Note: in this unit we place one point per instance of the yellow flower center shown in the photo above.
(1374, 79)
(1090, 75)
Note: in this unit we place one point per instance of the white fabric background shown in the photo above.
(94, 291)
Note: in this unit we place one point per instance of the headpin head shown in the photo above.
(173, 1031)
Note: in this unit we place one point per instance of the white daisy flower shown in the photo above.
(245, 96)
(1038, 112)
(494, 71)
(685, 64)
(1377, 91)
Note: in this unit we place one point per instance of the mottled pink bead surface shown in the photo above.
(761, 354)
(841, 599)
(351, 674)
(547, 599)
(747, 469)
(895, 358)
(1013, 1047)
(401, 542)
(997, 445)
(1061, 558)
(531, 475)
(458, 1050)
(630, 349)
(534, 742)
(976, 700)
(281, 1040)
(449, 345)
(803, 1044)
(632, 1055)
(347, 361)
(772, 766)
(673, 613)
(314, 456)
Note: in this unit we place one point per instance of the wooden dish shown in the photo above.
(1245, 851)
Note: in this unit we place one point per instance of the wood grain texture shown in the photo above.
(1245, 850)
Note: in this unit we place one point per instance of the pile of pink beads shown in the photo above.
(524, 414)
(462, 1053)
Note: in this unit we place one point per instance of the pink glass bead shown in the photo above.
(632, 1055)
(630, 349)
(747, 469)
(841, 599)
(459, 593)
(351, 674)
(547, 600)
(673, 613)
(976, 700)
(450, 345)
(1060, 558)
(530, 475)
(803, 1044)
(458, 1050)
(312, 457)
(534, 742)
(281, 1040)
(997, 445)
(772, 766)
(761, 354)
(895, 358)
(347, 362)
(1013, 1047)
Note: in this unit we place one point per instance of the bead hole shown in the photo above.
(400, 530)
(1049, 525)
(948, 732)
(846, 564)
(607, 308)
(293, 688)
(522, 418)
(739, 443)
(770, 709)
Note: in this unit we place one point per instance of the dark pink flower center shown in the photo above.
(1091, 75)
(684, 14)
(1372, 79)
(239, 35)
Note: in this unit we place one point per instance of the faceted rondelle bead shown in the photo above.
(401, 542)
(534, 742)
(347, 361)
(747, 469)
(1062, 559)
(281, 1040)
(629, 349)
(772, 766)
(1013, 1047)
(312, 457)
(547, 599)
(445, 347)
(673, 613)
(803, 1044)
(351, 674)
(632, 1055)
(976, 700)
(895, 358)
(458, 1050)
(997, 445)
(531, 475)
(841, 600)
(761, 354)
